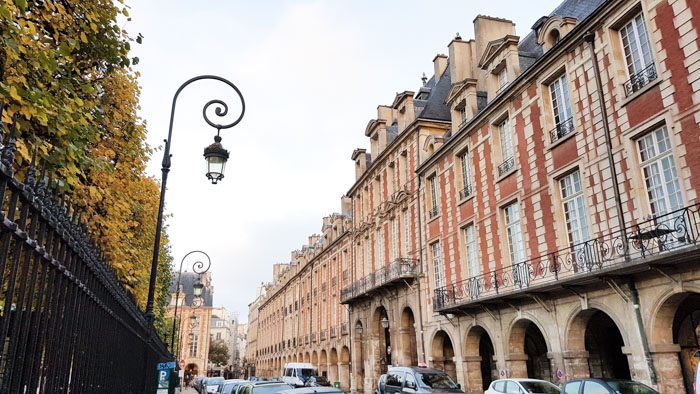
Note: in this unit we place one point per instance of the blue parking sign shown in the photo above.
(163, 378)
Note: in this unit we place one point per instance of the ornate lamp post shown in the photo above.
(215, 155)
(199, 267)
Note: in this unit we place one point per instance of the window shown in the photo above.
(635, 44)
(591, 387)
(406, 233)
(410, 381)
(659, 169)
(218, 335)
(462, 113)
(500, 386)
(194, 339)
(380, 247)
(502, 79)
(512, 387)
(394, 239)
(561, 108)
(574, 208)
(516, 247)
(438, 265)
(507, 152)
(472, 260)
(433, 187)
(394, 379)
(466, 176)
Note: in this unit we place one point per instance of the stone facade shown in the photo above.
(530, 211)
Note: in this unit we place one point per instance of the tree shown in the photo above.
(218, 352)
(67, 86)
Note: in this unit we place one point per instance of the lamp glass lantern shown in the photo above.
(385, 322)
(358, 329)
(216, 157)
(193, 320)
(197, 288)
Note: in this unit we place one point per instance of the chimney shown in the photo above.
(362, 161)
(487, 29)
(440, 63)
(346, 206)
(462, 60)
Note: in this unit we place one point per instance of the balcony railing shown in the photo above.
(562, 129)
(466, 192)
(344, 330)
(641, 79)
(433, 212)
(306, 340)
(313, 337)
(322, 335)
(332, 330)
(397, 271)
(506, 166)
(672, 235)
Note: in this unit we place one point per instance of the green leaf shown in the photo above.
(21, 4)
(5, 13)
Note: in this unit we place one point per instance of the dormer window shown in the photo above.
(502, 79)
(554, 37)
(462, 113)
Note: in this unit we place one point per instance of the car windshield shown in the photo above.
(228, 388)
(270, 388)
(215, 381)
(631, 388)
(540, 387)
(305, 372)
(436, 380)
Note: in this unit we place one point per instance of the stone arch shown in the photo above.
(674, 336)
(596, 340)
(333, 366)
(314, 360)
(479, 350)
(307, 357)
(527, 351)
(407, 338)
(382, 335)
(323, 363)
(443, 353)
(344, 370)
(191, 370)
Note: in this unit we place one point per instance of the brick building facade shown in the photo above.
(530, 211)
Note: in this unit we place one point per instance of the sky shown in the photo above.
(312, 74)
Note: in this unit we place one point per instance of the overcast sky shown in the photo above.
(312, 74)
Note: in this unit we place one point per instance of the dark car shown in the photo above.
(606, 386)
(418, 380)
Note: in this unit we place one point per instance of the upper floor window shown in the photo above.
(514, 235)
(637, 51)
(433, 188)
(380, 247)
(462, 114)
(574, 208)
(502, 79)
(507, 150)
(438, 266)
(406, 233)
(466, 175)
(660, 174)
(561, 108)
(394, 238)
(472, 255)
(194, 344)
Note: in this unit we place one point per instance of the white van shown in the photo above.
(297, 374)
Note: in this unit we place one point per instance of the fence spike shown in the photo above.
(8, 151)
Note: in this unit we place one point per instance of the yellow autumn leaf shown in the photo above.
(83, 37)
(14, 94)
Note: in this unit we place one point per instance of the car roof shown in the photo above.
(311, 390)
(416, 369)
(524, 380)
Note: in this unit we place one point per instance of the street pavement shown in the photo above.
(188, 390)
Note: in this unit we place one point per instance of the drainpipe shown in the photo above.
(420, 254)
(642, 332)
(590, 39)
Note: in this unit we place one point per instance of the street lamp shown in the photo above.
(214, 154)
(199, 267)
(358, 329)
(385, 322)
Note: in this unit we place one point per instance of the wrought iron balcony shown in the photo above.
(388, 276)
(507, 165)
(322, 335)
(433, 212)
(641, 79)
(662, 240)
(344, 330)
(562, 129)
(466, 192)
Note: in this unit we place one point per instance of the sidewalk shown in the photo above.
(188, 390)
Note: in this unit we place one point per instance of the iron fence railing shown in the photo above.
(660, 235)
(433, 212)
(507, 165)
(562, 129)
(398, 269)
(466, 192)
(641, 79)
(66, 323)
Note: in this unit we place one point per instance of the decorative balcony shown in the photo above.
(322, 335)
(313, 337)
(466, 192)
(562, 129)
(344, 330)
(433, 212)
(507, 165)
(650, 244)
(332, 330)
(641, 79)
(396, 273)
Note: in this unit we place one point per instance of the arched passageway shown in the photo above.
(675, 336)
(323, 363)
(443, 354)
(344, 370)
(381, 330)
(527, 339)
(314, 360)
(307, 357)
(481, 368)
(191, 370)
(407, 334)
(594, 332)
(333, 366)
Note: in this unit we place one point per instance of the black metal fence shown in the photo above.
(663, 235)
(401, 268)
(66, 323)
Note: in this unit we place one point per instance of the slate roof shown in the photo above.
(435, 108)
(187, 279)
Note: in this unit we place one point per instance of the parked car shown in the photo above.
(522, 386)
(297, 374)
(380, 385)
(418, 380)
(211, 385)
(263, 387)
(313, 390)
(606, 386)
(230, 385)
(197, 383)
